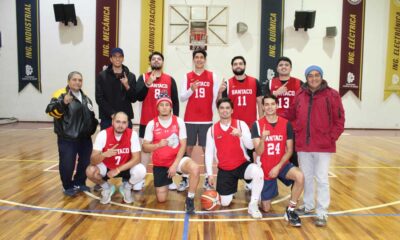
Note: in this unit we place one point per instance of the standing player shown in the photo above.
(284, 87)
(272, 138)
(226, 142)
(116, 153)
(200, 90)
(165, 138)
(149, 87)
(244, 91)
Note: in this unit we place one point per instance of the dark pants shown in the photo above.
(105, 123)
(68, 151)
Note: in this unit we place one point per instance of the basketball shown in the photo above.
(210, 200)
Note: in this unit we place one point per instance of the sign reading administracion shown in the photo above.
(107, 20)
(152, 31)
(28, 43)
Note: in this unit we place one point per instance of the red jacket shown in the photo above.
(318, 117)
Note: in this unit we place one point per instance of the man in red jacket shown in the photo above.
(318, 114)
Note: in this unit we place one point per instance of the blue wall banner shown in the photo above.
(28, 43)
(271, 44)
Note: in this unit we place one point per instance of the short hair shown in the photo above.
(284, 59)
(202, 51)
(270, 96)
(238, 57)
(156, 53)
(224, 99)
(120, 112)
(73, 73)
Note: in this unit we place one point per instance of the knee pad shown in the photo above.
(138, 173)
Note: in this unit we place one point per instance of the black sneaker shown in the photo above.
(292, 218)
(70, 192)
(82, 188)
(189, 205)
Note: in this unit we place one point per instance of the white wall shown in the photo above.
(64, 49)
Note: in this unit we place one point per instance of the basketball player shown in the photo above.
(200, 90)
(149, 86)
(116, 153)
(284, 87)
(246, 95)
(272, 138)
(165, 138)
(227, 141)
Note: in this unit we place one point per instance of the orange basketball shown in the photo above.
(210, 200)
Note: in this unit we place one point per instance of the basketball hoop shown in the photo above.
(198, 36)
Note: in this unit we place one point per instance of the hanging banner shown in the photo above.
(351, 57)
(28, 39)
(392, 82)
(151, 30)
(271, 44)
(107, 28)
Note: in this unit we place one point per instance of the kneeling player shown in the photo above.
(273, 141)
(116, 153)
(227, 141)
(165, 138)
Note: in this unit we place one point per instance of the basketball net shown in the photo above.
(198, 40)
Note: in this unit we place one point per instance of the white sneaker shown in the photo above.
(106, 194)
(183, 185)
(138, 186)
(172, 186)
(254, 211)
(126, 192)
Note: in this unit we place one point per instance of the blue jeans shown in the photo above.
(69, 152)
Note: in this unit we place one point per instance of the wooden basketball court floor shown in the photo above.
(365, 192)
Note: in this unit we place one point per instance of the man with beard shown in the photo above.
(148, 89)
(165, 138)
(115, 89)
(200, 90)
(116, 153)
(246, 95)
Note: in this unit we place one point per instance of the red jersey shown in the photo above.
(160, 85)
(229, 150)
(123, 149)
(244, 97)
(200, 103)
(285, 99)
(165, 156)
(274, 145)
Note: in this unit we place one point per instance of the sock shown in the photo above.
(127, 185)
(105, 185)
(190, 195)
(292, 205)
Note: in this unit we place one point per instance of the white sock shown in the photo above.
(190, 195)
(105, 185)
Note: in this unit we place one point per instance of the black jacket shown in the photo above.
(75, 120)
(111, 95)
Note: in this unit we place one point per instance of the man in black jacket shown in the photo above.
(115, 89)
(74, 123)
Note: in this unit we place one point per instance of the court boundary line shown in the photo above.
(75, 212)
